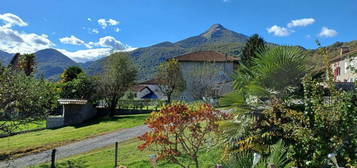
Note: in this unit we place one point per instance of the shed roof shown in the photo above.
(72, 101)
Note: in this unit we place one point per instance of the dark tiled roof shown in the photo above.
(347, 86)
(205, 56)
(339, 58)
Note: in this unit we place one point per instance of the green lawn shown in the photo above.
(41, 140)
(129, 156)
(28, 126)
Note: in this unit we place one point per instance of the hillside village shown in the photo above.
(217, 99)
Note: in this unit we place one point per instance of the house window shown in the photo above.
(337, 72)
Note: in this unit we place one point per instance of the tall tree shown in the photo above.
(25, 63)
(24, 99)
(1, 68)
(81, 87)
(14, 63)
(118, 77)
(252, 48)
(71, 73)
(170, 79)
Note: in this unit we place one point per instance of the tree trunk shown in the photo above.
(168, 99)
(112, 106)
(195, 159)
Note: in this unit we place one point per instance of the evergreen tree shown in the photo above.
(252, 48)
(25, 63)
(71, 73)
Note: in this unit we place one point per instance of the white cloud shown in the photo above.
(95, 31)
(279, 31)
(110, 22)
(71, 40)
(116, 29)
(87, 55)
(91, 54)
(109, 41)
(107, 44)
(13, 41)
(301, 22)
(10, 20)
(326, 32)
(89, 19)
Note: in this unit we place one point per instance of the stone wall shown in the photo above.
(78, 113)
(54, 122)
(72, 114)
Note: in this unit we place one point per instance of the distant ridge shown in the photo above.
(216, 38)
(5, 57)
(51, 63)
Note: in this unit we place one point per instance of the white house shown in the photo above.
(344, 67)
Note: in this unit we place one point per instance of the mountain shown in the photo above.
(214, 35)
(5, 57)
(51, 63)
(216, 38)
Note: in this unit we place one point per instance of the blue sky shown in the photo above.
(90, 29)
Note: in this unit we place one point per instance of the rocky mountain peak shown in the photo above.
(214, 29)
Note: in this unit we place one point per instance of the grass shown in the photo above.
(129, 156)
(28, 126)
(22, 144)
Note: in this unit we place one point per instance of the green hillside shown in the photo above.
(216, 38)
(316, 61)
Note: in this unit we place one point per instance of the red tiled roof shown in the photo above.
(149, 82)
(138, 88)
(205, 56)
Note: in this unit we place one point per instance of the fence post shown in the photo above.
(116, 155)
(53, 158)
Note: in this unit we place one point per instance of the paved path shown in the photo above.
(77, 147)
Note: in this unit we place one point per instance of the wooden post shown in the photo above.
(53, 158)
(116, 155)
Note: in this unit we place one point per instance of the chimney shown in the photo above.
(344, 50)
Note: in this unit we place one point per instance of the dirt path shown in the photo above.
(77, 147)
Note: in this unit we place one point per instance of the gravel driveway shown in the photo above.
(77, 147)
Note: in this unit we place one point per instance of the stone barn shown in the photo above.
(71, 112)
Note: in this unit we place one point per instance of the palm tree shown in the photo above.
(275, 73)
(276, 155)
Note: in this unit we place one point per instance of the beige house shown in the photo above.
(219, 80)
(344, 67)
